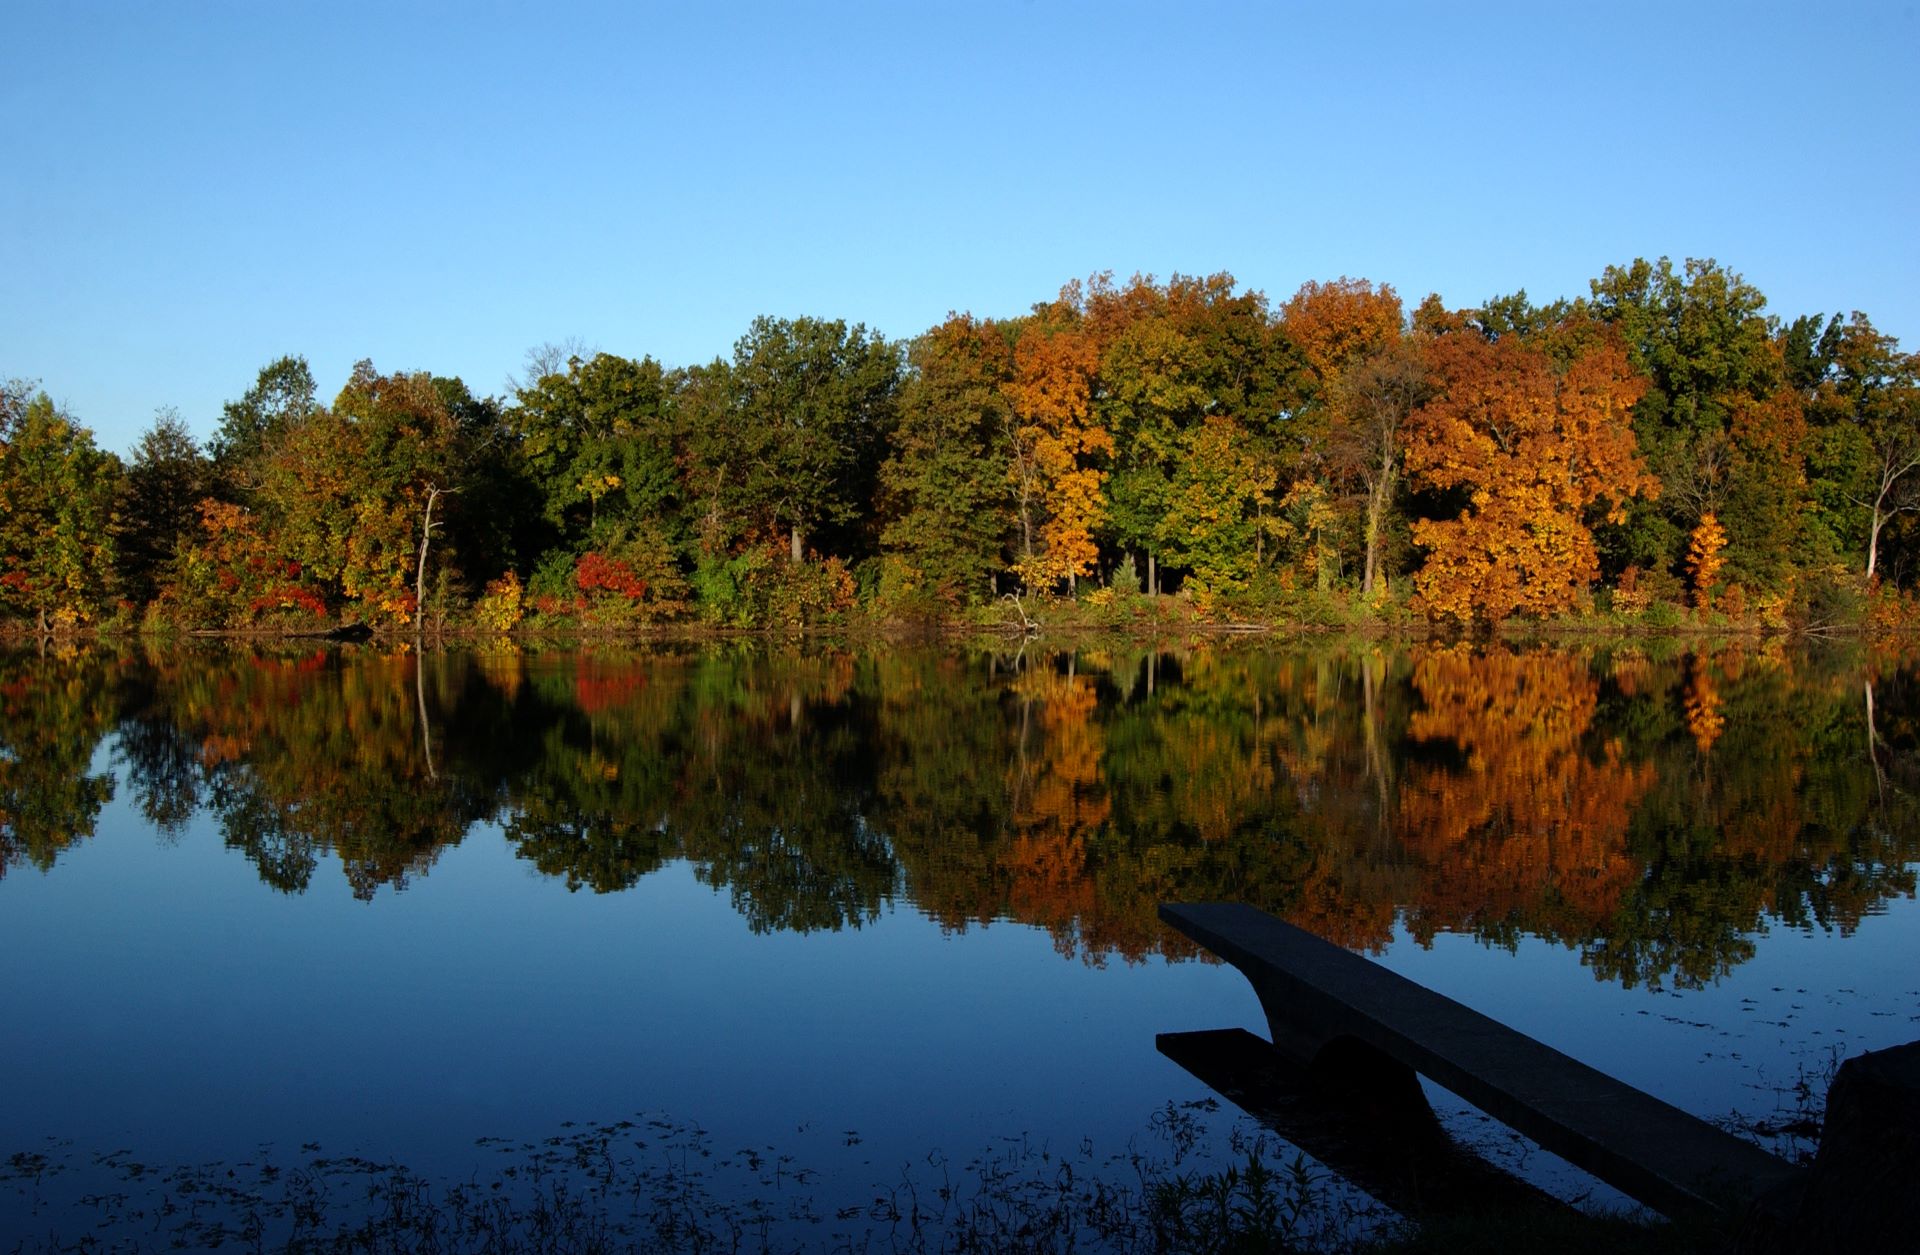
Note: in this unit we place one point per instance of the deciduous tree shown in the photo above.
(946, 485)
(1867, 412)
(1338, 324)
(1214, 505)
(597, 438)
(810, 405)
(159, 499)
(344, 491)
(1371, 405)
(1152, 394)
(1056, 449)
(283, 394)
(56, 514)
(1534, 448)
(1717, 383)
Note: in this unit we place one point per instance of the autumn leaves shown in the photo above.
(1115, 429)
(1521, 439)
(1533, 448)
(1661, 451)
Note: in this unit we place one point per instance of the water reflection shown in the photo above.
(54, 710)
(1651, 805)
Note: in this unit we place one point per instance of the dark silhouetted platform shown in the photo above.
(1322, 1001)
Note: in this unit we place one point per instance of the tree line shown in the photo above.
(1661, 449)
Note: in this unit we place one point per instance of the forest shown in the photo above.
(1661, 452)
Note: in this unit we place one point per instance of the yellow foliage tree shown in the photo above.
(1059, 485)
(1704, 558)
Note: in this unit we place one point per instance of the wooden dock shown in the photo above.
(1321, 1000)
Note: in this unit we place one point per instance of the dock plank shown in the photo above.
(1316, 993)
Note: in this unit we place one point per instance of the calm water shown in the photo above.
(859, 905)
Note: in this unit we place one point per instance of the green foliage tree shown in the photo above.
(1151, 396)
(56, 514)
(945, 486)
(282, 395)
(159, 499)
(1214, 503)
(797, 447)
(498, 518)
(597, 439)
(1866, 451)
(1170, 354)
(1719, 403)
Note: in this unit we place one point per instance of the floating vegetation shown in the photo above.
(655, 1183)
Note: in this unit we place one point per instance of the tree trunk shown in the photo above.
(420, 570)
(1373, 545)
(1379, 495)
(1873, 542)
(1026, 538)
(795, 553)
(1153, 575)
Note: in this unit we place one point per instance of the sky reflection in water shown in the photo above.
(872, 902)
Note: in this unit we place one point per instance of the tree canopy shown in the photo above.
(1659, 447)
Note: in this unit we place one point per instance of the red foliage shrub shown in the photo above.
(596, 572)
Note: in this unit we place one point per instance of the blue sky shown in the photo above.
(194, 189)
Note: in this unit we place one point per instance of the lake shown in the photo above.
(863, 912)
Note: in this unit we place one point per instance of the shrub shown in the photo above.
(499, 608)
(719, 587)
(895, 589)
(550, 590)
(1829, 597)
(1632, 592)
(1662, 614)
(1733, 603)
(761, 587)
(629, 581)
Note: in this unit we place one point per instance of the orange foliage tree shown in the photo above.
(1336, 324)
(1704, 558)
(1535, 448)
(1055, 450)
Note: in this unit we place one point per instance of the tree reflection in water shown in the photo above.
(54, 710)
(1653, 804)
